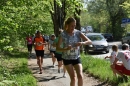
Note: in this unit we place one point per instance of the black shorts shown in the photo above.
(58, 56)
(29, 46)
(47, 40)
(52, 51)
(39, 53)
(73, 62)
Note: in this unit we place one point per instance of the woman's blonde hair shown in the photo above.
(68, 21)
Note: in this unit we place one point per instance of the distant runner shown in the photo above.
(29, 43)
(46, 38)
(52, 49)
(58, 55)
(39, 43)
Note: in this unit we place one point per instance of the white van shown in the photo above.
(89, 29)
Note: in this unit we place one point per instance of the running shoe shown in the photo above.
(64, 75)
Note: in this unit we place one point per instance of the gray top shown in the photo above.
(51, 47)
(74, 53)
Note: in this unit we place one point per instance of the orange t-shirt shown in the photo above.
(39, 46)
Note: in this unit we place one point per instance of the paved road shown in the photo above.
(103, 54)
(51, 77)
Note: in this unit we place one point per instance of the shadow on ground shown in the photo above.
(33, 56)
(47, 78)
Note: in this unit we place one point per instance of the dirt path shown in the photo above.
(51, 77)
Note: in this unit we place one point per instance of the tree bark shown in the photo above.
(58, 16)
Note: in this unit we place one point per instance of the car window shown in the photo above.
(95, 37)
(128, 34)
(107, 34)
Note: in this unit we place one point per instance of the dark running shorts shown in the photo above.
(47, 40)
(29, 46)
(58, 56)
(73, 62)
(39, 53)
(52, 51)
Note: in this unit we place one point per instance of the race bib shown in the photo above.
(53, 48)
(29, 42)
(73, 51)
(39, 44)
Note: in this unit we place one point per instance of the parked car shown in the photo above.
(83, 30)
(99, 43)
(89, 29)
(126, 38)
(108, 36)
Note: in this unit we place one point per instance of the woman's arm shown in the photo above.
(54, 44)
(86, 40)
(48, 45)
(58, 48)
(114, 63)
(108, 57)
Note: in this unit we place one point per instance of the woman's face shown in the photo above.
(53, 37)
(71, 27)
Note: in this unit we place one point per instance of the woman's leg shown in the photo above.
(53, 58)
(71, 73)
(39, 64)
(78, 68)
(59, 66)
(116, 70)
(114, 73)
(38, 61)
(64, 69)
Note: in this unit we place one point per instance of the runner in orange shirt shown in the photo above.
(39, 43)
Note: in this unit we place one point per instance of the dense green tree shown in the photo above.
(58, 14)
(98, 15)
(19, 18)
(126, 6)
(61, 9)
(116, 13)
(106, 16)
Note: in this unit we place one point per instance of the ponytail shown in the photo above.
(68, 21)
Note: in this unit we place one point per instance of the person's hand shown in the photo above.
(40, 42)
(106, 57)
(78, 44)
(35, 43)
(69, 47)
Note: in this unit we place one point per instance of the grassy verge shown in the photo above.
(100, 68)
(14, 71)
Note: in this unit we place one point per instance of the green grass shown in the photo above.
(100, 68)
(14, 70)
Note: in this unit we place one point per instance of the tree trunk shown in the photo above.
(78, 25)
(115, 16)
(76, 16)
(58, 16)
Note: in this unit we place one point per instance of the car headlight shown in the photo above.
(90, 45)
